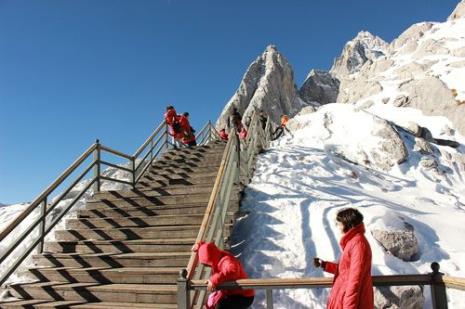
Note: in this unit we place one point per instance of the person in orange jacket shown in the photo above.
(225, 267)
(280, 130)
(352, 284)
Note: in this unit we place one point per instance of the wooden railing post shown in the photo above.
(438, 288)
(269, 298)
(43, 210)
(133, 167)
(97, 167)
(183, 290)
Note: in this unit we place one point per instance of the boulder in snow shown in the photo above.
(422, 146)
(399, 297)
(396, 236)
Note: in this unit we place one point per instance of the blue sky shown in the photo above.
(72, 71)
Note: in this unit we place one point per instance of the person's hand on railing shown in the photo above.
(195, 247)
(210, 286)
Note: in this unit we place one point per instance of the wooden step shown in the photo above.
(143, 211)
(129, 275)
(121, 222)
(153, 259)
(149, 201)
(132, 233)
(147, 183)
(92, 292)
(116, 246)
(171, 190)
(35, 303)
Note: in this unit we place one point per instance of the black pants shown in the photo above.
(235, 302)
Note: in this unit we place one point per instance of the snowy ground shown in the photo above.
(300, 184)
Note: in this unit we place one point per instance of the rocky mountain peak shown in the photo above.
(459, 11)
(267, 85)
(365, 47)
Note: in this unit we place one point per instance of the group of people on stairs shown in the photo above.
(352, 284)
(179, 128)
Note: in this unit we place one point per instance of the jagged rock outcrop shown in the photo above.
(459, 11)
(320, 86)
(365, 47)
(268, 85)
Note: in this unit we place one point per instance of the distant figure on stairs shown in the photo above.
(225, 267)
(235, 120)
(223, 135)
(352, 285)
(174, 127)
(282, 128)
(188, 137)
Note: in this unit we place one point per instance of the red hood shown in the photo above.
(209, 254)
(359, 229)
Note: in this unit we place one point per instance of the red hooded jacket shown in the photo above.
(225, 267)
(352, 285)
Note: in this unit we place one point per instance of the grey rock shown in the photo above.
(433, 97)
(364, 48)
(401, 100)
(392, 144)
(402, 297)
(352, 90)
(459, 11)
(446, 130)
(401, 243)
(409, 36)
(268, 85)
(429, 163)
(414, 128)
(320, 86)
(385, 100)
(422, 146)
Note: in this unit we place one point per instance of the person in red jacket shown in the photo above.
(352, 284)
(172, 120)
(187, 137)
(223, 135)
(225, 267)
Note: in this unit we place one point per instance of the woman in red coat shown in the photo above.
(352, 284)
(225, 267)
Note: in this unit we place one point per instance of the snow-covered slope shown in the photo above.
(423, 68)
(302, 181)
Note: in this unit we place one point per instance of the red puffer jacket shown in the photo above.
(170, 116)
(225, 267)
(352, 285)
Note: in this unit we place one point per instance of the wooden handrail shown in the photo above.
(314, 282)
(210, 207)
(454, 282)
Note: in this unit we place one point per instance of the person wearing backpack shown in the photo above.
(188, 137)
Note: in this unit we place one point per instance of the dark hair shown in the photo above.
(349, 217)
(185, 114)
(169, 107)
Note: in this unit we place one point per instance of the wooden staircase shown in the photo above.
(126, 248)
